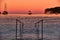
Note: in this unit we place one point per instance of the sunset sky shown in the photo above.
(22, 6)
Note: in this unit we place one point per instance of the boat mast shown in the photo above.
(0, 5)
(5, 8)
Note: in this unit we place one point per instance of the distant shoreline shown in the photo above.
(32, 15)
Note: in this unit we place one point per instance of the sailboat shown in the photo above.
(5, 9)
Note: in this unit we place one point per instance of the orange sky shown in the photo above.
(34, 5)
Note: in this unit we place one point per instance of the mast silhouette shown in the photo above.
(0, 6)
(5, 8)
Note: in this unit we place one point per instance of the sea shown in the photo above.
(27, 27)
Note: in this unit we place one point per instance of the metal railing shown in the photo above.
(21, 29)
(44, 24)
(37, 29)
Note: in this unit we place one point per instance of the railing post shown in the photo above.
(42, 29)
(37, 28)
(21, 29)
(16, 29)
